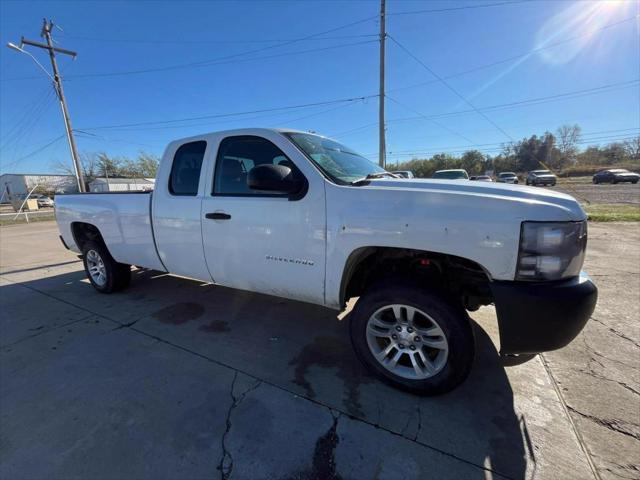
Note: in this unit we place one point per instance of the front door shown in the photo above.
(258, 241)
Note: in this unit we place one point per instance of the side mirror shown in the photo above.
(274, 178)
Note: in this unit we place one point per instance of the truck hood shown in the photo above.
(520, 195)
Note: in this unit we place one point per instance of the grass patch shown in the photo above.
(8, 220)
(618, 212)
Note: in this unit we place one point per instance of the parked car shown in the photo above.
(541, 177)
(507, 177)
(457, 174)
(404, 173)
(299, 216)
(43, 200)
(615, 175)
(481, 178)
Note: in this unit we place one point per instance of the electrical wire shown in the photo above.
(444, 127)
(196, 42)
(463, 7)
(517, 57)
(500, 145)
(221, 61)
(446, 84)
(14, 132)
(38, 150)
(223, 115)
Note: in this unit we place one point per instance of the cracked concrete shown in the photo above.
(600, 372)
(226, 460)
(174, 379)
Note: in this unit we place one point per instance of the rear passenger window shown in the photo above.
(185, 170)
(237, 156)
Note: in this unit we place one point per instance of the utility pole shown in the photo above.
(57, 85)
(382, 150)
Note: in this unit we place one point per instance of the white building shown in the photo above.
(19, 184)
(102, 184)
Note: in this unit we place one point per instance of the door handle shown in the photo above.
(218, 216)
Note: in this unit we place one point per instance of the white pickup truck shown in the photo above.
(300, 216)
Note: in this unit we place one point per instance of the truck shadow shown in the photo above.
(306, 350)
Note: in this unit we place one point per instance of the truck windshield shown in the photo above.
(339, 163)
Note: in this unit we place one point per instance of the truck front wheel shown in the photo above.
(105, 274)
(412, 339)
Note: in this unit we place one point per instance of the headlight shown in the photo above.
(551, 250)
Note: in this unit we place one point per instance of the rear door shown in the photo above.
(258, 241)
(177, 202)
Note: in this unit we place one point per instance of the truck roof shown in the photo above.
(244, 131)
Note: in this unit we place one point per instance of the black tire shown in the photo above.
(615, 182)
(634, 181)
(118, 275)
(595, 181)
(448, 315)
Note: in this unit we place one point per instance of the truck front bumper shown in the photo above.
(538, 317)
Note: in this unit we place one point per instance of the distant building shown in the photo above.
(19, 184)
(102, 184)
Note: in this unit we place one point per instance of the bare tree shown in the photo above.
(568, 137)
(89, 164)
(632, 147)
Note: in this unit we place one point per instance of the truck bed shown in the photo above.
(124, 220)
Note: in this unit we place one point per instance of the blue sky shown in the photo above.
(528, 66)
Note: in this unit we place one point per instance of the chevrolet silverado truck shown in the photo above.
(300, 216)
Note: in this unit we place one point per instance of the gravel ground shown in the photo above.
(605, 193)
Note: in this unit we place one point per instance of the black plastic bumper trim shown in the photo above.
(539, 317)
(64, 243)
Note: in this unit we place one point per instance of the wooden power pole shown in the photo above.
(57, 84)
(382, 146)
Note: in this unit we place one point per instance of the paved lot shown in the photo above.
(176, 379)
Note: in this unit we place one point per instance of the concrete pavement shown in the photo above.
(177, 379)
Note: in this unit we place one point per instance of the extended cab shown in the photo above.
(300, 216)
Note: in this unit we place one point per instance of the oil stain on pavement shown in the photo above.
(336, 353)
(179, 313)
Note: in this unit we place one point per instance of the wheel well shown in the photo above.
(85, 232)
(458, 277)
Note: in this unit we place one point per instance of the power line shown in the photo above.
(533, 101)
(38, 150)
(499, 146)
(220, 61)
(226, 57)
(44, 96)
(230, 42)
(222, 115)
(315, 114)
(26, 129)
(93, 136)
(465, 7)
(519, 103)
(345, 132)
(446, 84)
(519, 56)
(430, 120)
(618, 133)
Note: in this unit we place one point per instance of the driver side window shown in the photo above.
(237, 156)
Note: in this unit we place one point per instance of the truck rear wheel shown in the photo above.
(105, 274)
(412, 339)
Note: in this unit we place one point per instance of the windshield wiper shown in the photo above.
(371, 176)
